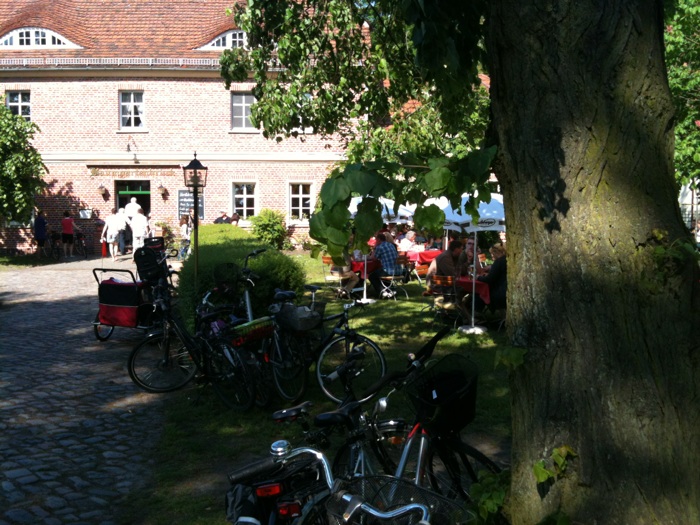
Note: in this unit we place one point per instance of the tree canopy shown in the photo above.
(682, 38)
(21, 167)
(401, 87)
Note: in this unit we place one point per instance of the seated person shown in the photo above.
(223, 219)
(348, 278)
(447, 263)
(385, 251)
(434, 243)
(235, 218)
(497, 279)
(408, 242)
(466, 259)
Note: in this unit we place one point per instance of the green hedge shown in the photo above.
(223, 243)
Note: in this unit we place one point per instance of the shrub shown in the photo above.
(220, 244)
(269, 227)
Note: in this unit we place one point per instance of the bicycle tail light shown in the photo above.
(288, 509)
(268, 490)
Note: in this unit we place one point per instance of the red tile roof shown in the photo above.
(120, 28)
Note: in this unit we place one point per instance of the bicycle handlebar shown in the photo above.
(355, 503)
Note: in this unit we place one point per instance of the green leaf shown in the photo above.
(436, 180)
(541, 472)
(334, 190)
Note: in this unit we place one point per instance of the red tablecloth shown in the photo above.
(481, 288)
(423, 257)
(359, 267)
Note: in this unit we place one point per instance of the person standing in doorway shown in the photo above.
(139, 230)
(40, 230)
(121, 237)
(131, 209)
(68, 229)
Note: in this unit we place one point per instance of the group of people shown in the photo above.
(68, 230)
(114, 231)
(461, 258)
(225, 218)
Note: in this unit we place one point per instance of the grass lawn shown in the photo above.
(202, 441)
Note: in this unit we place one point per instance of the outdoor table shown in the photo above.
(424, 257)
(482, 288)
(372, 265)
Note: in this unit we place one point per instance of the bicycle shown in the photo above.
(297, 485)
(168, 358)
(443, 396)
(301, 330)
(80, 246)
(52, 246)
(372, 446)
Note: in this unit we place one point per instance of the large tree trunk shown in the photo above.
(584, 123)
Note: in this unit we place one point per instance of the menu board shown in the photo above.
(185, 201)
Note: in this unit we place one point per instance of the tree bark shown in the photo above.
(583, 119)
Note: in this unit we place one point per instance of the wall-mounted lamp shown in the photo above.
(102, 189)
(162, 189)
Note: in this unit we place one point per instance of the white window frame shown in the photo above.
(35, 38)
(292, 207)
(130, 106)
(20, 104)
(235, 38)
(242, 101)
(243, 211)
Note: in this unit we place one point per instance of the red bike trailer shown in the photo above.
(123, 301)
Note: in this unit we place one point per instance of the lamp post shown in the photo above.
(195, 177)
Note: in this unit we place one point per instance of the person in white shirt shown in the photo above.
(110, 233)
(408, 242)
(139, 230)
(132, 208)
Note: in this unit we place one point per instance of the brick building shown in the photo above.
(124, 92)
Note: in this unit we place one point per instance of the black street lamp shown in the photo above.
(195, 177)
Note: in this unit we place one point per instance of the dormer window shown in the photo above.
(34, 38)
(229, 39)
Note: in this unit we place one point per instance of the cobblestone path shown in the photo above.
(76, 435)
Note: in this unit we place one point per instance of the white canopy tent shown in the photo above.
(491, 215)
(405, 212)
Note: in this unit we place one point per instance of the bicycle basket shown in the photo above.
(444, 395)
(154, 243)
(387, 493)
(300, 318)
(147, 265)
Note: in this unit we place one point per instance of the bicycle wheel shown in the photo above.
(232, 378)
(454, 467)
(367, 369)
(289, 369)
(80, 248)
(56, 251)
(102, 331)
(161, 364)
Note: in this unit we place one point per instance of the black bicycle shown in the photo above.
(169, 357)
(80, 245)
(303, 333)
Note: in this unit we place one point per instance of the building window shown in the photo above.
(240, 111)
(32, 37)
(131, 109)
(299, 201)
(234, 38)
(19, 103)
(244, 200)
